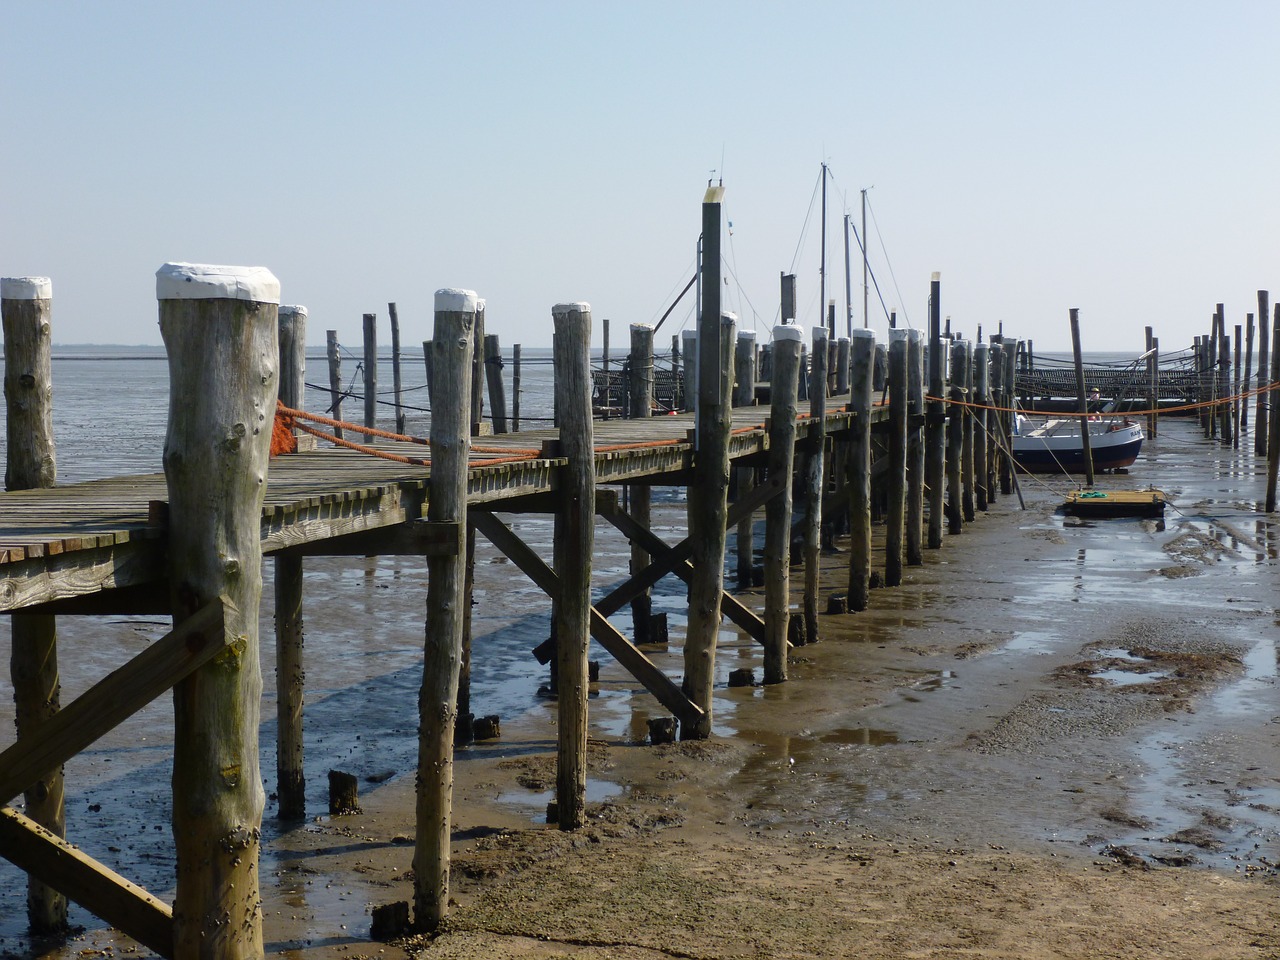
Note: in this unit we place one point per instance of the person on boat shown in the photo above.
(1095, 402)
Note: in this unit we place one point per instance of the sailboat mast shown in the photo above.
(848, 285)
(864, 259)
(822, 267)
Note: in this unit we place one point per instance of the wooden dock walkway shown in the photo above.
(62, 547)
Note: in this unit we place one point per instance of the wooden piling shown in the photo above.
(26, 305)
(370, 370)
(814, 481)
(967, 480)
(477, 372)
(493, 374)
(574, 539)
(895, 516)
(1082, 402)
(290, 673)
(1235, 387)
(334, 355)
(744, 395)
(862, 360)
(787, 340)
(842, 366)
(1153, 392)
(219, 326)
(936, 417)
(515, 388)
(914, 534)
(1248, 371)
(452, 363)
(395, 367)
(1273, 412)
(1224, 377)
(1008, 479)
(955, 439)
(1261, 419)
(604, 368)
(641, 409)
(979, 415)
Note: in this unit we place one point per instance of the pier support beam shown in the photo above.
(784, 375)
(26, 304)
(744, 395)
(936, 414)
(219, 326)
(955, 440)
(981, 416)
(641, 499)
(290, 673)
(895, 518)
(815, 481)
(574, 541)
(451, 366)
(914, 537)
(862, 351)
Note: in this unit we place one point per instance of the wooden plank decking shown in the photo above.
(78, 540)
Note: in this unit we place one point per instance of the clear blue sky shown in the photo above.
(1119, 157)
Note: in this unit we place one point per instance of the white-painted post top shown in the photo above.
(899, 333)
(914, 336)
(747, 335)
(26, 288)
(787, 331)
(640, 327)
(454, 300)
(206, 281)
(563, 309)
(728, 317)
(864, 334)
(819, 333)
(293, 310)
(479, 304)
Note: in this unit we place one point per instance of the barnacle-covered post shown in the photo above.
(451, 365)
(219, 328)
(27, 306)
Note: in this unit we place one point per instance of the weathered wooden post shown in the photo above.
(604, 368)
(574, 539)
(995, 419)
(1273, 411)
(981, 395)
(842, 365)
(966, 433)
(708, 497)
(395, 367)
(708, 508)
(219, 326)
(1007, 478)
(1082, 403)
(895, 518)
(914, 539)
(452, 362)
(334, 355)
(493, 374)
(641, 409)
(1248, 370)
(814, 479)
(1261, 420)
(936, 417)
(1235, 391)
(515, 388)
(290, 673)
(744, 395)
(370, 370)
(690, 382)
(787, 340)
(1153, 393)
(477, 372)
(862, 356)
(26, 304)
(955, 439)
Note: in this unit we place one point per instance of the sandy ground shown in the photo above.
(1055, 739)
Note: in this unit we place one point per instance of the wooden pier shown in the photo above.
(189, 543)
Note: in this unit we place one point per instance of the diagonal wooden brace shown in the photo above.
(97, 888)
(605, 633)
(113, 699)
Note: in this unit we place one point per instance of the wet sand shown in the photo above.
(1055, 739)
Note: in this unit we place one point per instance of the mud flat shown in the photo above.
(1056, 739)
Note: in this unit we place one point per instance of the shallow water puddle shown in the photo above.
(1127, 678)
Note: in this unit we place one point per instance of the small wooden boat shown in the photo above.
(1056, 446)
